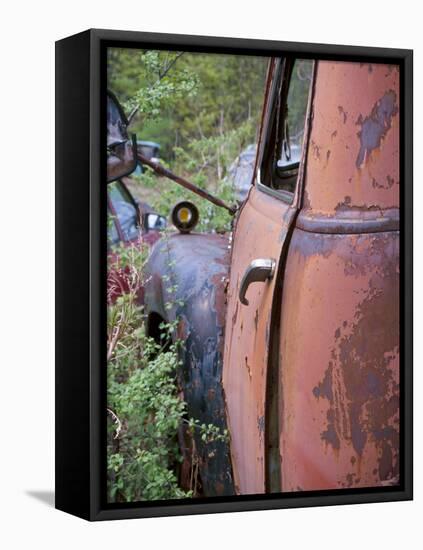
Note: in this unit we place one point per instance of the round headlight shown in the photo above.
(185, 216)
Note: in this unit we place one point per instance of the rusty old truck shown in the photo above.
(291, 322)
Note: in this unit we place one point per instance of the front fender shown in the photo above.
(186, 280)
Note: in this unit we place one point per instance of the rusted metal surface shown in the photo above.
(339, 362)
(165, 172)
(339, 356)
(354, 221)
(260, 233)
(353, 161)
(197, 265)
(334, 300)
(261, 230)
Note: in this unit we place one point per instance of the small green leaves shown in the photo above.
(165, 84)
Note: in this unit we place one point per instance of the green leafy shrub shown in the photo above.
(143, 445)
(145, 409)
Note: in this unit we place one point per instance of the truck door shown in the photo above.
(260, 239)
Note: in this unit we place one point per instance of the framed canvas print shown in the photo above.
(234, 274)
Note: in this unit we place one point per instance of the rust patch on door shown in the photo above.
(375, 126)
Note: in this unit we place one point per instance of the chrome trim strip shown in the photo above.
(284, 196)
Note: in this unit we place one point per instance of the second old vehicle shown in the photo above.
(291, 323)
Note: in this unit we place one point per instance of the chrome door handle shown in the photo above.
(259, 270)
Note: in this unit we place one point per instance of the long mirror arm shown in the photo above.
(162, 171)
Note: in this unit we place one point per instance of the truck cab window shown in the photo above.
(287, 117)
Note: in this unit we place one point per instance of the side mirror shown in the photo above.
(287, 169)
(121, 151)
(154, 222)
(289, 163)
(121, 158)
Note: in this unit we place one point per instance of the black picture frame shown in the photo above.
(81, 272)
